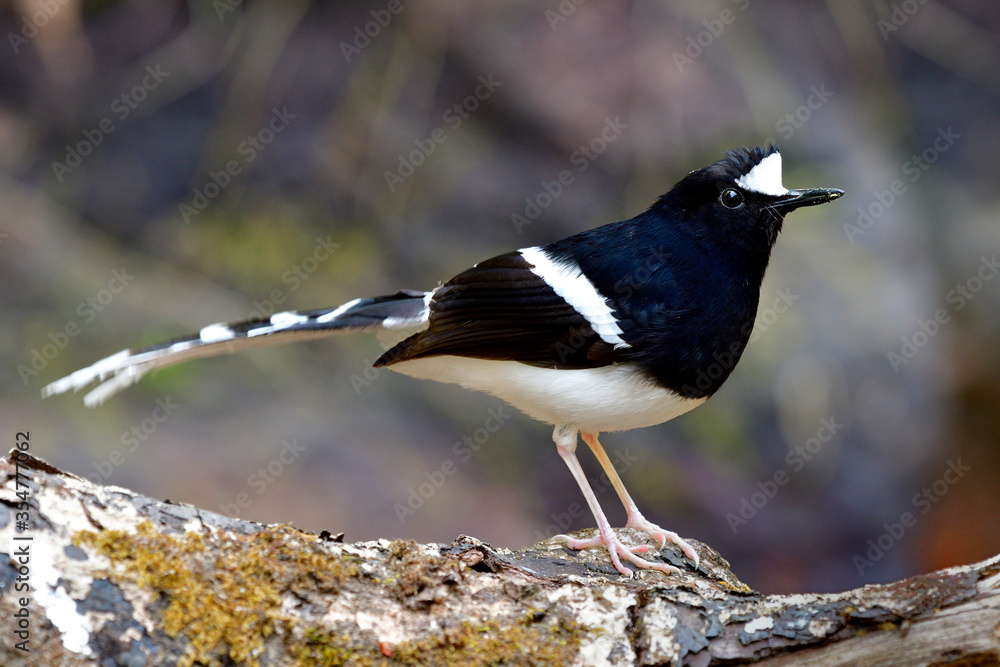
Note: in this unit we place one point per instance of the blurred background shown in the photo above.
(166, 165)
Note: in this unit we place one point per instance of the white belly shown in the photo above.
(610, 398)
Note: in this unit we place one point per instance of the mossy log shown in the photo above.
(117, 578)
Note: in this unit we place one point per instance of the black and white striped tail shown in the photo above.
(403, 311)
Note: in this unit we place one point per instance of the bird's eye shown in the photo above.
(731, 198)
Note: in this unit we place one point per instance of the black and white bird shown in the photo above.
(619, 327)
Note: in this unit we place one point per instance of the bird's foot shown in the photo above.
(617, 551)
(639, 522)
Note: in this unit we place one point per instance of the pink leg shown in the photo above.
(565, 438)
(635, 518)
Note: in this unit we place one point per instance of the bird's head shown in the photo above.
(739, 201)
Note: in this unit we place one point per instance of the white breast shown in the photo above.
(609, 398)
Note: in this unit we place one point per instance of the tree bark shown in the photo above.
(101, 575)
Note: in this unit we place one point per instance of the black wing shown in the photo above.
(500, 309)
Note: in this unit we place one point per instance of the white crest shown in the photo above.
(765, 178)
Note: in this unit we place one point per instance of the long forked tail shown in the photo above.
(403, 311)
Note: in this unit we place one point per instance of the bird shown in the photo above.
(622, 326)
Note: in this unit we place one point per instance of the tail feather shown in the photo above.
(403, 311)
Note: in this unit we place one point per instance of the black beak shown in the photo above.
(794, 199)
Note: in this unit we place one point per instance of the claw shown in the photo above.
(565, 438)
(639, 522)
(617, 550)
(576, 544)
